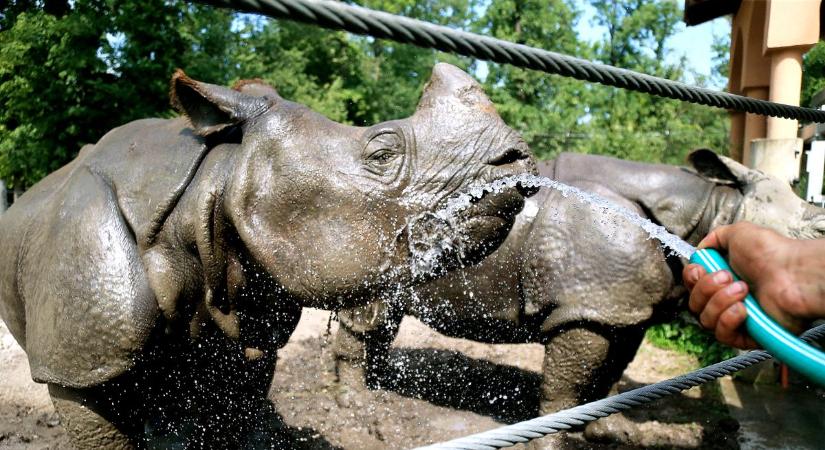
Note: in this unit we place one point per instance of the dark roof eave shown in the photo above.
(701, 11)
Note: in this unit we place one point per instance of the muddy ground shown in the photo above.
(444, 388)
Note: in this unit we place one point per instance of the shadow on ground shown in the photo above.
(509, 394)
(452, 379)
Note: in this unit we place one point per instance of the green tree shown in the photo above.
(396, 73)
(70, 71)
(349, 78)
(639, 126)
(306, 64)
(51, 86)
(546, 109)
(813, 73)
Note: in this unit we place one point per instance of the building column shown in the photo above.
(786, 87)
(755, 124)
(779, 153)
(737, 133)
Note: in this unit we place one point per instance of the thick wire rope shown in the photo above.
(509, 435)
(355, 19)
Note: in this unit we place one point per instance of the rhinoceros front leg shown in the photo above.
(94, 419)
(580, 365)
(362, 344)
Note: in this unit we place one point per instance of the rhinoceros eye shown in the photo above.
(382, 152)
(383, 156)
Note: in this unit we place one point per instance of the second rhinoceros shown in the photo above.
(583, 283)
(152, 279)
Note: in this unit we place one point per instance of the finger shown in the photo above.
(729, 328)
(691, 274)
(716, 237)
(720, 301)
(706, 287)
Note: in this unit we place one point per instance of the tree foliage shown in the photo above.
(547, 109)
(72, 70)
(639, 126)
(813, 73)
(67, 78)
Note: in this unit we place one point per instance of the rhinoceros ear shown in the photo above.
(719, 169)
(212, 108)
(449, 83)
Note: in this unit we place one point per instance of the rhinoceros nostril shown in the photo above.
(509, 156)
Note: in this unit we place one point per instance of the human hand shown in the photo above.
(785, 275)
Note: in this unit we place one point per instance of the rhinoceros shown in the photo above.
(583, 283)
(152, 279)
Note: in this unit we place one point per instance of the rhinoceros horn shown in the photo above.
(212, 108)
(450, 84)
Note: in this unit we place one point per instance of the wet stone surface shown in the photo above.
(443, 388)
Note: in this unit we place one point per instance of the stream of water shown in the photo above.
(658, 232)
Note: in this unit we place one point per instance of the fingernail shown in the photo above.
(721, 277)
(735, 288)
(739, 310)
(693, 274)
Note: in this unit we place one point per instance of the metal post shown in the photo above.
(815, 168)
(4, 205)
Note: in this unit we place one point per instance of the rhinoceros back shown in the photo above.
(73, 290)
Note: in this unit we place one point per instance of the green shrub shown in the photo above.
(687, 336)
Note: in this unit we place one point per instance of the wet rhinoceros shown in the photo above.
(583, 283)
(152, 279)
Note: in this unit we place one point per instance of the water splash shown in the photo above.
(658, 232)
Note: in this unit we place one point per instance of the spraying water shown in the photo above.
(783, 345)
(658, 232)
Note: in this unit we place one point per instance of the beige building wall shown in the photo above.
(768, 39)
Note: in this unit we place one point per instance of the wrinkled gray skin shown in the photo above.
(584, 284)
(152, 279)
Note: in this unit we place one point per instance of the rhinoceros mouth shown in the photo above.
(448, 238)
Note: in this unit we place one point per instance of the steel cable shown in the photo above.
(355, 19)
(509, 435)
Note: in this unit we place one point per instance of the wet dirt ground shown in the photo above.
(444, 388)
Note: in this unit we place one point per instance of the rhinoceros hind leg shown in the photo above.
(91, 420)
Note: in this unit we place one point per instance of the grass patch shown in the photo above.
(685, 335)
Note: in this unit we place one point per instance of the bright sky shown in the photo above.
(692, 42)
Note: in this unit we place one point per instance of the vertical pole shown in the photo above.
(737, 135)
(3, 197)
(815, 167)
